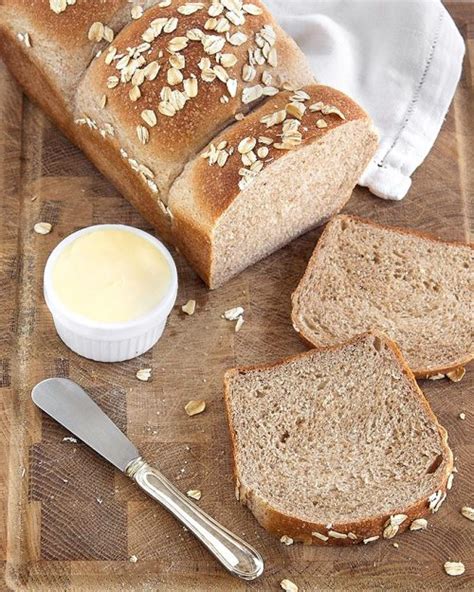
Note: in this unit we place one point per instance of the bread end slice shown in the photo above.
(415, 288)
(287, 167)
(336, 446)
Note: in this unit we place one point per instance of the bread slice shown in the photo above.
(59, 47)
(337, 445)
(250, 208)
(415, 288)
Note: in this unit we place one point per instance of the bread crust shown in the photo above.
(420, 373)
(279, 523)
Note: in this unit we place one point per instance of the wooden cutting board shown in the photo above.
(68, 520)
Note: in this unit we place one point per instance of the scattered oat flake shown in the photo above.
(419, 524)
(454, 568)
(194, 494)
(436, 500)
(288, 586)
(337, 535)
(449, 483)
(144, 374)
(468, 512)
(58, 6)
(189, 308)
(286, 540)
(195, 407)
(239, 324)
(43, 227)
(136, 12)
(462, 416)
(133, 559)
(456, 375)
(370, 539)
(233, 314)
(397, 519)
(396, 545)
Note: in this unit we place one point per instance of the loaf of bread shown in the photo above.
(415, 288)
(337, 446)
(204, 114)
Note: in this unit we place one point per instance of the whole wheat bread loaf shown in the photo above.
(337, 445)
(415, 288)
(252, 211)
(144, 88)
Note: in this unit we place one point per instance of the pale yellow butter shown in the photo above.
(111, 275)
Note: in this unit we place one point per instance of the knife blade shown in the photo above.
(70, 405)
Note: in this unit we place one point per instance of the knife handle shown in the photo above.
(239, 558)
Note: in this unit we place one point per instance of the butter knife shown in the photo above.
(67, 403)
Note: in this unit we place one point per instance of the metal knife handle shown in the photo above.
(236, 556)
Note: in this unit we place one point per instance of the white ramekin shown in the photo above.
(109, 342)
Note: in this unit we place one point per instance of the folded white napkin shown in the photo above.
(400, 59)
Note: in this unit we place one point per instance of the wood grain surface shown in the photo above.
(70, 522)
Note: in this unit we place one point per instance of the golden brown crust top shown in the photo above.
(176, 76)
(284, 122)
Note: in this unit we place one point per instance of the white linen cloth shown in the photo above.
(400, 59)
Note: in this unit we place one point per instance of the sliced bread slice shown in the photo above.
(416, 289)
(338, 445)
(287, 167)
